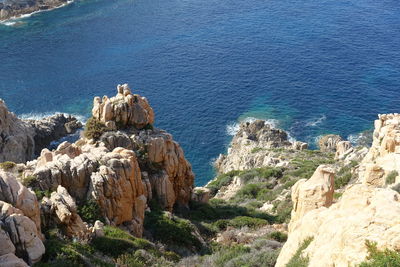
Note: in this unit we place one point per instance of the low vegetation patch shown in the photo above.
(298, 260)
(278, 236)
(29, 180)
(391, 177)
(170, 230)
(380, 258)
(7, 165)
(239, 222)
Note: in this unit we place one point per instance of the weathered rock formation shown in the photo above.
(121, 171)
(20, 140)
(123, 110)
(20, 235)
(313, 193)
(251, 144)
(383, 156)
(366, 210)
(16, 8)
(61, 209)
(327, 143)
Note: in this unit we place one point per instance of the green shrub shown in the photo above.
(90, 211)
(172, 231)
(94, 129)
(239, 222)
(60, 252)
(221, 180)
(7, 165)
(40, 194)
(116, 242)
(337, 195)
(229, 253)
(298, 260)
(278, 236)
(29, 180)
(249, 191)
(380, 258)
(391, 177)
(344, 176)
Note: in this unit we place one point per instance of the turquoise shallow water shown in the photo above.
(314, 66)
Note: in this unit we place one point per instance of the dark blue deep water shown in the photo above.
(315, 66)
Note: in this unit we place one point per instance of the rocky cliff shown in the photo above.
(368, 210)
(16, 8)
(121, 164)
(21, 140)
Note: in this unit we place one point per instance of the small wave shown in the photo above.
(41, 115)
(233, 128)
(315, 121)
(354, 138)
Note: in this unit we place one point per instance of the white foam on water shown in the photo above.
(41, 115)
(315, 121)
(233, 128)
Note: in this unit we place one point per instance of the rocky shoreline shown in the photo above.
(123, 195)
(14, 9)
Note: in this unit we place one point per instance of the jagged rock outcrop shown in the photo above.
(121, 171)
(328, 143)
(20, 235)
(366, 210)
(16, 8)
(118, 189)
(20, 140)
(383, 156)
(123, 110)
(62, 209)
(251, 144)
(313, 193)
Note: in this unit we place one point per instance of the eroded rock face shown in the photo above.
(366, 211)
(16, 137)
(62, 209)
(329, 142)
(249, 146)
(313, 193)
(383, 156)
(20, 140)
(123, 110)
(340, 231)
(119, 190)
(20, 236)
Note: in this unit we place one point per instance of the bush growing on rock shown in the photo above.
(391, 177)
(29, 180)
(380, 258)
(90, 211)
(7, 165)
(94, 129)
(298, 260)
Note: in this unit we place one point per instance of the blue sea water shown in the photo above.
(314, 66)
